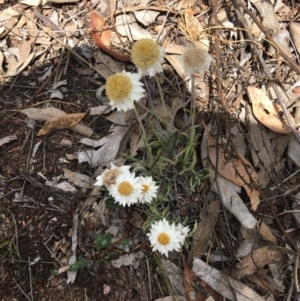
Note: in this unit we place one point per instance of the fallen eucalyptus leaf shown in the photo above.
(268, 113)
(60, 123)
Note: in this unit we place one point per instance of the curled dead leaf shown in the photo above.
(236, 169)
(102, 38)
(268, 113)
(60, 123)
(257, 259)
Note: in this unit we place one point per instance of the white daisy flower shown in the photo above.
(123, 89)
(195, 60)
(184, 231)
(164, 237)
(109, 176)
(147, 56)
(149, 190)
(127, 189)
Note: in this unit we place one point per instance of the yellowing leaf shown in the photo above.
(268, 113)
(60, 123)
(236, 169)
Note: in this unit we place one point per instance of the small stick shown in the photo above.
(52, 254)
(296, 264)
(149, 280)
(161, 290)
(25, 142)
(291, 288)
(16, 230)
(21, 289)
(30, 279)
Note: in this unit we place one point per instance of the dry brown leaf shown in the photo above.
(60, 123)
(176, 63)
(33, 2)
(204, 231)
(25, 50)
(295, 33)
(163, 113)
(184, 4)
(174, 275)
(272, 24)
(102, 38)
(238, 170)
(14, 72)
(42, 114)
(267, 282)
(257, 259)
(195, 30)
(192, 286)
(267, 112)
(269, 146)
(79, 179)
(266, 233)
(8, 26)
(47, 113)
(1, 69)
(146, 17)
(228, 191)
(173, 48)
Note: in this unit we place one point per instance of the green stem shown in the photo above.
(144, 136)
(193, 114)
(162, 98)
(171, 292)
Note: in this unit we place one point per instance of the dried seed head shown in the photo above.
(195, 60)
(110, 177)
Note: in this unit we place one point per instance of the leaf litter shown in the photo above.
(249, 147)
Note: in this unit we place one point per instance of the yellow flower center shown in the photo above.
(144, 53)
(145, 188)
(163, 238)
(125, 188)
(118, 87)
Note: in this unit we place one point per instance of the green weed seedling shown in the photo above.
(103, 244)
(80, 264)
(102, 241)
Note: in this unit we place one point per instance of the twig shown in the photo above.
(52, 254)
(21, 289)
(25, 141)
(30, 148)
(158, 284)
(296, 264)
(49, 23)
(16, 231)
(44, 157)
(149, 279)
(291, 289)
(30, 279)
